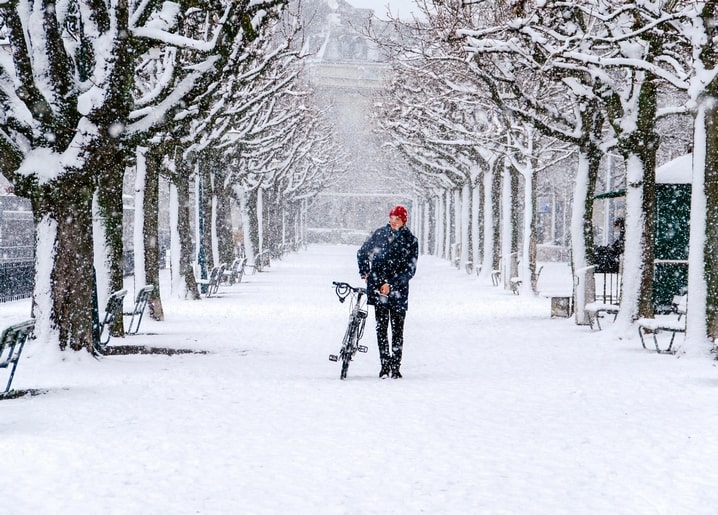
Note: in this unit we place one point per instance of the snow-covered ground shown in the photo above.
(501, 410)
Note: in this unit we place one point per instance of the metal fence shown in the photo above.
(16, 280)
(17, 248)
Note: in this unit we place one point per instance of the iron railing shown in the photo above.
(17, 279)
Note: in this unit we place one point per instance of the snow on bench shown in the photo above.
(665, 323)
(597, 310)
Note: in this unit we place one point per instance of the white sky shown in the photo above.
(401, 7)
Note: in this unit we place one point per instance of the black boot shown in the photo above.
(385, 370)
(395, 364)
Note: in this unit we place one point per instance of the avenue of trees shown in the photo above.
(489, 97)
(205, 95)
(490, 103)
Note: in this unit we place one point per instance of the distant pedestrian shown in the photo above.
(607, 258)
(387, 261)
(238, 237)
(619, 230)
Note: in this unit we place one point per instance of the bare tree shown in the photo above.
(70, 113)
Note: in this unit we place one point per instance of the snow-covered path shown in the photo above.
(501, 410)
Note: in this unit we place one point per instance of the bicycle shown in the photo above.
(355, 328)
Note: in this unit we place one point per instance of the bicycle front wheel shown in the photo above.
(348, 348)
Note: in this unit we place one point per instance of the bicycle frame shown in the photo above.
(355, 327)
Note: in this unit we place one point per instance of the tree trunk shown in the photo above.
(476, 224)
(582, 229)
(151, 233)
(515, 228)
(111, 210)
(487, 222)
(496, 219)
(639, 149)
(446, 223)
(647, 151)
(465, 211)
(272, 220)
(205, 257)
(184, 226)
(533, 237)
(253, 219)
(507, 224)
(430, 217)
(709, 58)
(69, 203)
(225, 241)
(711, 190)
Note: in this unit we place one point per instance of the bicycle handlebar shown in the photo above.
(342, 290)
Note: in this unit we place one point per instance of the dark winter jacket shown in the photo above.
(390, 258)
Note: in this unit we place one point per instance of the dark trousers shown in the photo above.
(383, 317)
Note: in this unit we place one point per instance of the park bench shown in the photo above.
(211, 284)
(12, 342)
(455, 254)
(497, 276)
(236, 271)
(261, 261)
(470, 268)
(598, 310)
(138, 310)
(280, 250)
(608, 297)
(665, 323)
(113, 310)
(515, 283)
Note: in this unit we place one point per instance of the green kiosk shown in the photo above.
(673, 214)
(673, 210)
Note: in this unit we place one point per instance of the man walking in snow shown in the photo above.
(387, 261)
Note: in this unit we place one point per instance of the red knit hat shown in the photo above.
(400, 212)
